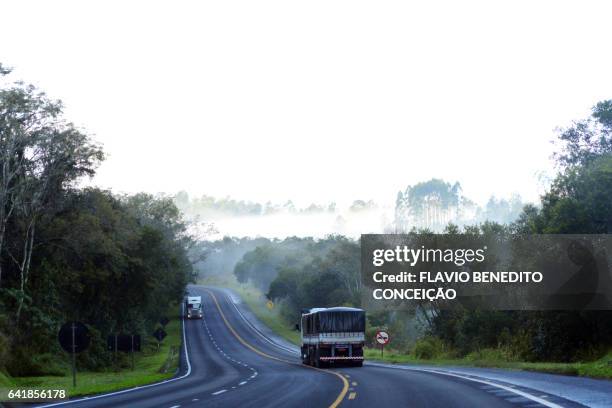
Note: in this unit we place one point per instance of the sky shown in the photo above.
(316, 101)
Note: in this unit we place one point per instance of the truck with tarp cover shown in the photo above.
(332, 335)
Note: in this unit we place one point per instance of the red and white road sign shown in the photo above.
(382, 337)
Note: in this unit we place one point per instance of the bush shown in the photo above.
(25, 364)
(428, 348)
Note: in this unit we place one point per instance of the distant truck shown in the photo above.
(332, 335)
(193, 307)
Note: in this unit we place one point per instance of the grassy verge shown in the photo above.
(5, 381)
(150, 366)
(257, 302)
(601, 368)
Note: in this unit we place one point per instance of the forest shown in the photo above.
(68, 252)
(304, 272)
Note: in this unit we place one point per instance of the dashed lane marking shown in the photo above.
(219, 392)
(227, 356)
(345, 384)
(352, 395)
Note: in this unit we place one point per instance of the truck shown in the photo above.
(193, 307)
(332, 335)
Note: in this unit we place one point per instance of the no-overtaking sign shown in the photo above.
(382, 337)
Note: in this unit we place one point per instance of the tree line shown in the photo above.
(298, 273)
(68, 253)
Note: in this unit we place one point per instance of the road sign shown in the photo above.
(74, 337)
(270, 304)
(164, 321)
(382, 337)
(123, 342)
(159, 334)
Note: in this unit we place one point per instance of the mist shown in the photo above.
(431, 205)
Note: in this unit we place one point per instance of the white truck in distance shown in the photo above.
(193, 307)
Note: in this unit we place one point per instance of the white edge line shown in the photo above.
(110, 394)
(256, 330)
(503, 387)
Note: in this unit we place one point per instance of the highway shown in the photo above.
(232, 360)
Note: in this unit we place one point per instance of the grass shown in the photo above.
(257, 302)
(150, 366)
(601, 368)
(5, 381)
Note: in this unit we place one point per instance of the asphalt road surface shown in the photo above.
(231, 361)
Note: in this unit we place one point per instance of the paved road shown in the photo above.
(231, 360)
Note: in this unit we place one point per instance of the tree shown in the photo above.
(42, 154)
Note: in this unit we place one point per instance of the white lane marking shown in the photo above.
(219, 392)
(175, 406)
(140, 387)
(228, 357)
(256, 330)
(195, 399)
(539, 400)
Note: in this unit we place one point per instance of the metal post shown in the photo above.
(132, 352)
(382, 348)
(73, 355)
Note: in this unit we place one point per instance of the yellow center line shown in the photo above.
(345, 384)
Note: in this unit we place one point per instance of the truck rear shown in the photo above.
(332, 335)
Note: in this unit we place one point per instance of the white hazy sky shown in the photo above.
(318, 100)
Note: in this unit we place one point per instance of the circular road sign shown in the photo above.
(382, 337)
(74, 336)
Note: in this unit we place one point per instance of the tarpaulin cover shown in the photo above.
(341, 321)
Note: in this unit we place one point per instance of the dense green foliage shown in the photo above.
(579, 201)
(113, 263)
(299, 273)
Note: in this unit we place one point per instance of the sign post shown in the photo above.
(132, 351)
(382, 338)
(159, 334)
(74, 338)
(73, 355)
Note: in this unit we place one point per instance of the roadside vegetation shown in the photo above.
(113, 262)
(150, 365)
(298, 273)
